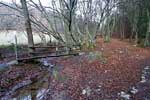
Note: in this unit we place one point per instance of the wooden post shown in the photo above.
(16, 44)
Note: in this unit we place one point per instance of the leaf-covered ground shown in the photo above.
(105, 73)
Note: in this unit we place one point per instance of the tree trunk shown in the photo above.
(27, 25)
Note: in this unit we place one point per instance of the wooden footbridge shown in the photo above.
(51, 51)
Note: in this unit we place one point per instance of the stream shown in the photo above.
(33, 91)
(42, 89)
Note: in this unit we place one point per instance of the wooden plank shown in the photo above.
(46, 46)
(59, 46)
(50, 52)
(45, 56)
(44, 52)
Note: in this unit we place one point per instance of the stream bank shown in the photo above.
(19, 76)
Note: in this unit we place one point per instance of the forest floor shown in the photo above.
(112, 71)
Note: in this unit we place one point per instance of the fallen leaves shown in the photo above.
(121, 70)
(108, 70)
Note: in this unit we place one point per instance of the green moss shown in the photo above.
(10, 47)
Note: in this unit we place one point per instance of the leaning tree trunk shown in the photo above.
(147, 37)
(27, 25)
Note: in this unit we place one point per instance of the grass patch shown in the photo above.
(97, 55)
(11, 47)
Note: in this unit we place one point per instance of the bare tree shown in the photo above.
(27, 25)
(23, 11)
(71, 21)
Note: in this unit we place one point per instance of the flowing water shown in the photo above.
(41, 89)
(35, 91)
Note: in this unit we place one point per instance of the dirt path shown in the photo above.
(104, 74)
